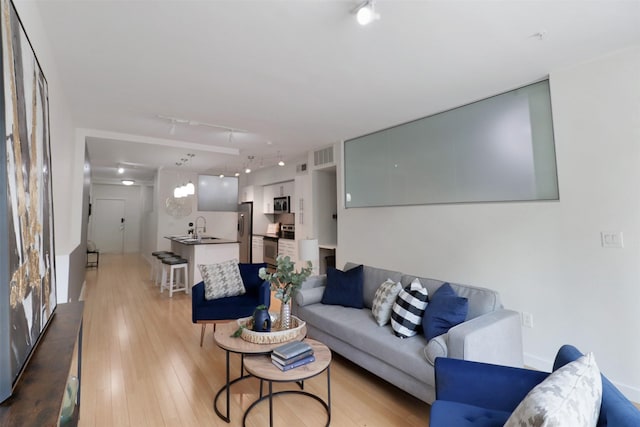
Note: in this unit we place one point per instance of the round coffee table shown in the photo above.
(223, 338)
(262, 368)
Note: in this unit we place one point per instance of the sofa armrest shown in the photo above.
(314, 282)
(494, 337)
(310, 292)
(197, 295)
(489, 386)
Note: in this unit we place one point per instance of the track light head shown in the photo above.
(366, 13)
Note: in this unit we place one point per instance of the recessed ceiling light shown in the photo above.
(128, 182)
(120, 169)
(247, 170)
(237, 173)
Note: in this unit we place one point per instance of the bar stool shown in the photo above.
(174, 264)
(156, 266)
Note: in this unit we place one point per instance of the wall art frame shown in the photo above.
(27, 256)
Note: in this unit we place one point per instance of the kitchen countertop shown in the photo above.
(272, 236)
(206, 240)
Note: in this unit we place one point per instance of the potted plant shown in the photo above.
(285, 281)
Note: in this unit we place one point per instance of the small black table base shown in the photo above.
(227, 388)
(326, 404)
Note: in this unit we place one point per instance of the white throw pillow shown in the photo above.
(383, 301)
(569, 397)
(222, 280)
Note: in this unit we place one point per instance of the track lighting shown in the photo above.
(366, 12)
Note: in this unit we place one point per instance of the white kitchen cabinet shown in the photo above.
(303, 201)
(247, 194)
(287, 247)
(268, 193)
(286, 188)
(257, 249)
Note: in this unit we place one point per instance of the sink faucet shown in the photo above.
(204, 227)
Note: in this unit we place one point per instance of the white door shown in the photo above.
(108, 225)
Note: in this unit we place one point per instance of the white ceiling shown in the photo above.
(300, 74)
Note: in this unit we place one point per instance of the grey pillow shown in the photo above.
(383, 301)
(570, 396)
(222, 280)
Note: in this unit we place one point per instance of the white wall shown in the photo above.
(544, 258)
(133, 197)
(67, 181)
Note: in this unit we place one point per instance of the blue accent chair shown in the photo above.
(231, 308)
(480, 394)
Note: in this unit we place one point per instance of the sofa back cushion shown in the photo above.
(372, 279)
(250, 277)
(481, 300)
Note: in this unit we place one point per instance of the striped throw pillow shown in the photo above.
(406, 316)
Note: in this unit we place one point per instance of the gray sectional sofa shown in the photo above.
(490, 333)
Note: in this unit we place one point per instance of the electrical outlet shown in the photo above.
(527, 320)
(611, 239)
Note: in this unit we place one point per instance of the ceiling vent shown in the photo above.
(323, 157)
(302, 167)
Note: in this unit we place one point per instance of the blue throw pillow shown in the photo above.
(344, 287)
(444, 311)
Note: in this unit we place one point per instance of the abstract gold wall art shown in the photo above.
(27, 260)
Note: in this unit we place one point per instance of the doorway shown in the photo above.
(108, 225)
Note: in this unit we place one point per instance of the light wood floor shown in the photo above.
(142, 366)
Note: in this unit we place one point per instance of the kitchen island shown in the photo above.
(206, 250)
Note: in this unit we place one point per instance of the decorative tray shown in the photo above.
(275, 336)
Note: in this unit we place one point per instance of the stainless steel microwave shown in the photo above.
(281, 204)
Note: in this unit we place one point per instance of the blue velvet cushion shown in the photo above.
(344, 287)
(250, 278)
(454, 414)
(444, 311)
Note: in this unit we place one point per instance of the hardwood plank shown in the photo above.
(143, 366)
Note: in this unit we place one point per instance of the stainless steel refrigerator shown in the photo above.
(245, 230)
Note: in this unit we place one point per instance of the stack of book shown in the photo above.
(292, 355)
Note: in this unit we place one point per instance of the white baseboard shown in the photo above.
(84, 284)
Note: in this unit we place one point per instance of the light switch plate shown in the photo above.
(612, 239)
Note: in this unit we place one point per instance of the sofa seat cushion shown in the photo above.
(359, 329)
(228, 308)
(453, 414)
